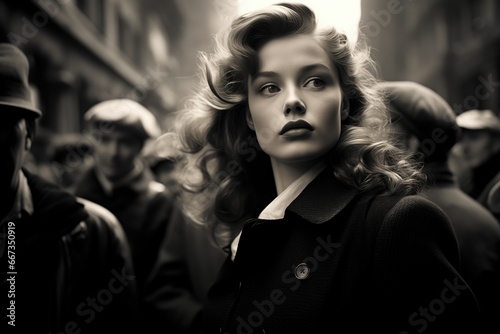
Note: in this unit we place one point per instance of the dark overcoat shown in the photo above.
(74, 273)
(341, 262)
(143, 207)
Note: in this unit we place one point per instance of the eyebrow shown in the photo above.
(264, 74)
(305, 69)
(313, 67)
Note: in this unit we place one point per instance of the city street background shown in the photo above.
(82, 52)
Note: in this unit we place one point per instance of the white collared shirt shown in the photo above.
(276, 209)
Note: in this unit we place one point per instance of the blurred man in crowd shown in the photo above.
(490, 196)
(476, 157)
(66, 264)
(164, 159)
(187, 266)
(119, 181)
(188, 261)
(424, 124)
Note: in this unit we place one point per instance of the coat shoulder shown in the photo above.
(103, 221)
(399, 215)
(419, 206)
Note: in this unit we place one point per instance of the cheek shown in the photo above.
(129, 152)
(328, 114)
(128, 155)
(101, 149)
(329, 120)
(265, 116)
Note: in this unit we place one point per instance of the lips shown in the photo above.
(299, 124)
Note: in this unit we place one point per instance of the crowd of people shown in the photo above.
(296, 193)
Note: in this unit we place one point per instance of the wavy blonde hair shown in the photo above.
(230, 178)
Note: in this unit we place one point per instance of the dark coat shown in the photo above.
(489, 197)
(396, 272)
(143, 210)
(187, 266)
(478, 236)
(73, 264)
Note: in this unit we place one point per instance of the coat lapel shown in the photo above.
(323, 198)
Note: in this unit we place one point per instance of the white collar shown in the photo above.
(276, 209)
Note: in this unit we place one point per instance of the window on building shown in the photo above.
(126, 38)
(94, 11)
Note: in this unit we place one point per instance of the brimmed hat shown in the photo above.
(423, 112)
(125, 114)
(477, 119)
(15, 92)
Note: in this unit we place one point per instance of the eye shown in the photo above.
(269, 89)
(315, 83)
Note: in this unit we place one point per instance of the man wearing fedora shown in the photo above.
(65, 262)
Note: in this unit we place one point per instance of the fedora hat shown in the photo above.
(15, 93)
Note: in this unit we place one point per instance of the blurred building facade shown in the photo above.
(450, 46)
(84, 51)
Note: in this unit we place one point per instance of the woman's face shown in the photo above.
(295, 100)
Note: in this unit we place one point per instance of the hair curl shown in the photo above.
(220, 186)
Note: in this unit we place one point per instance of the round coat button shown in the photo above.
(302, 271)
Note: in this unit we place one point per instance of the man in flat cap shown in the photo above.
(478, 155)
(120, 181)
(65, 262)
(424, 124)
(478, 152)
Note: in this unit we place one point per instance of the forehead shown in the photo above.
(294, 50)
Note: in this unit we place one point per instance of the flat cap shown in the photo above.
(127, 115)
(479, 119)
(424, 113)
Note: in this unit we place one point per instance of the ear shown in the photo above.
(250, 120)
(344, 108)
(28, 143)
(30, 128)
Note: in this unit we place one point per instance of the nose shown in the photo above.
(110, 148)
(294, 104)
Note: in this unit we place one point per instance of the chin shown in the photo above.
(304, 156)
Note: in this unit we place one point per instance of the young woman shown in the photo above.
(318, 211)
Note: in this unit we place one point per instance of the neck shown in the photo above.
(438, 172)
(287, 172)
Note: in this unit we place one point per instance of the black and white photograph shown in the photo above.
(250, 166)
